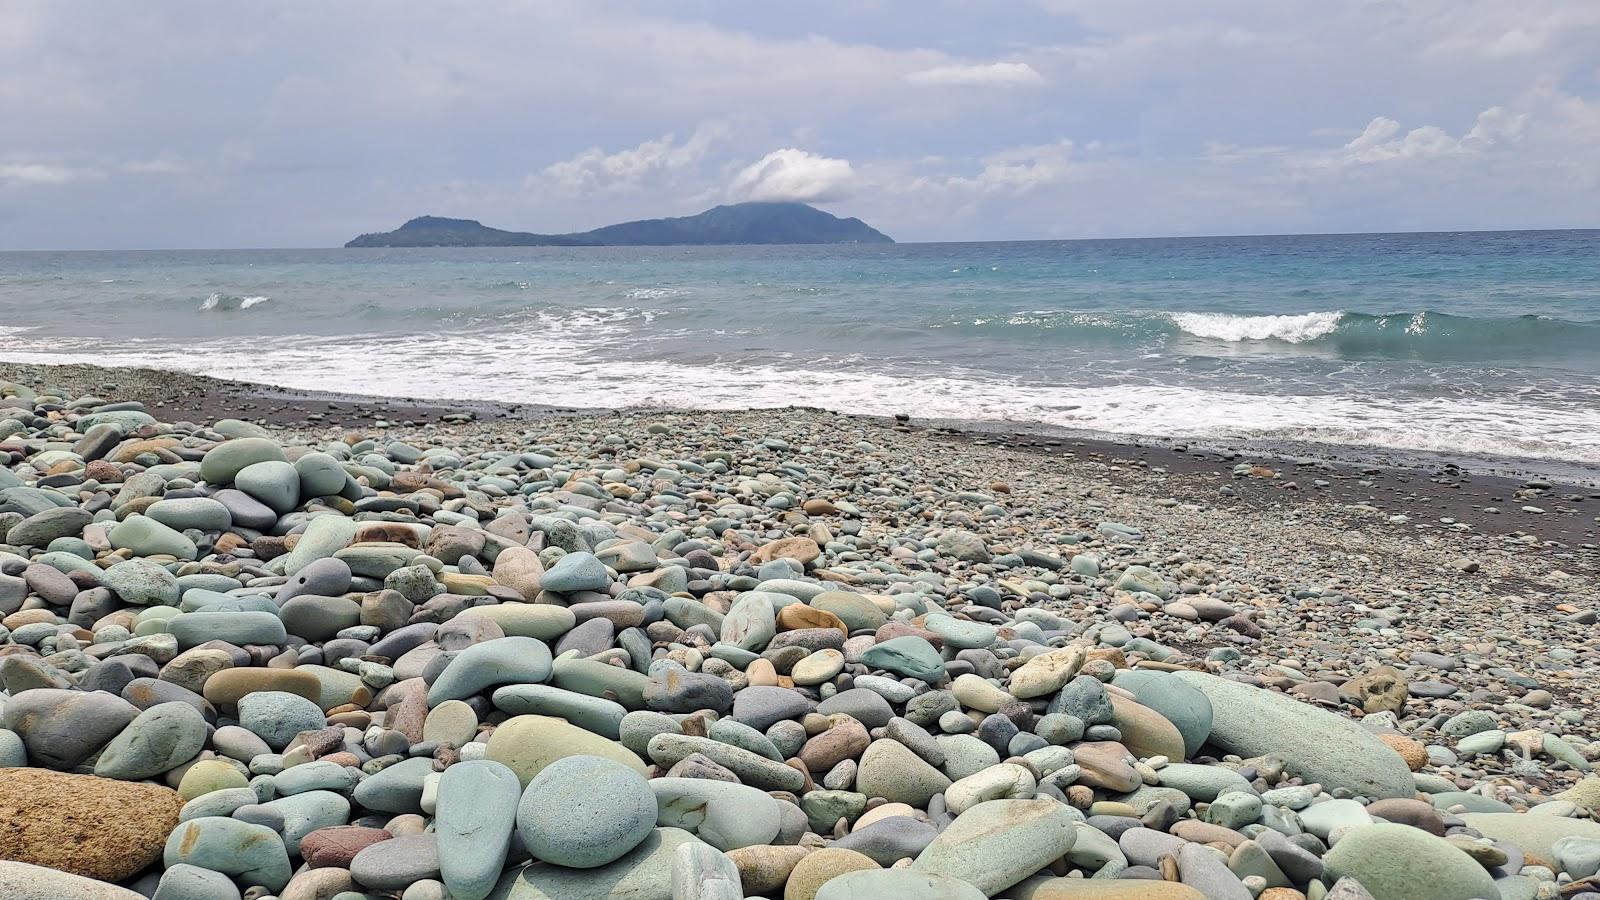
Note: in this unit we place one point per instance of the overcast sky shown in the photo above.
(287, 124)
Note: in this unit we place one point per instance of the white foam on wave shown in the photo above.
(576, 368)
(654, 293)
(1290, 329)
(230, 302)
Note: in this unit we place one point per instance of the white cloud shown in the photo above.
(1384, 141)
(45, 174)
(1000, 74)
(792, 174)
(631, 169)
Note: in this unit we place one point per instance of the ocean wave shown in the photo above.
(1291, 329)
(655, 293)
(1405, 335)
(231, 302)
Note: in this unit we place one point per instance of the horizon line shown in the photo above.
(896, 242)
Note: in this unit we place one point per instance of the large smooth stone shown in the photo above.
(396, 788)
(595, 714)
(644, 873)
(395, 865)
(909, 656)
(544, 621)
(142, 583)
(509, 660)
(475, 817)
(1177, 701)
(889, 840)
(254, 854)
(752, 768)
(239, 628)
(229, 686)
(751, 623)
(147, 537)
(319, 618)
(527, 744)
(1535, 834)
(579, 571)
(199, 513)
(1145, 732)
(277, 716)
(598, 679)
(867, 884)
(585, 811)
(320, 475)
(762, 706)
(21, 881)
(222, 462)
(307, 812)
(998, 843)
(63, 728)
(723, 814)
(324, 536)
(158, 739)
(1046, 888)
(701, 872)
(90, 826)
(1317, 745)
(1398, 862)
(889, 769)
(272, 482)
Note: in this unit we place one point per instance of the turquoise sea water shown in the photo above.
(1474, 343)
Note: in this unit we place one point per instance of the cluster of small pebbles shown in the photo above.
(777, 654)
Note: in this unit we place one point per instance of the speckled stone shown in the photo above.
(585, 811)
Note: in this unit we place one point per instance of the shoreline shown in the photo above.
(1367, 482)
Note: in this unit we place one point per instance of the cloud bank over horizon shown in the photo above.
(302, 124)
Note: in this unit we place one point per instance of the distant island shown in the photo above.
(737, 223)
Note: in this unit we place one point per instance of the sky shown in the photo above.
(301, 123)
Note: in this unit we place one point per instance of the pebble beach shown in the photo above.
(266, 645)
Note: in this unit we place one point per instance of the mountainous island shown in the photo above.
(737, 223)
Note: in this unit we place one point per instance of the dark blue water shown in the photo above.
(1483, 343)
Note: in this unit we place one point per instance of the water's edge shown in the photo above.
(219, 391)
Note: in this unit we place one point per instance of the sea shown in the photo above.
(1481, 346)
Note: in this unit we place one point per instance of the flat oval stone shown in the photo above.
(239, 628)
(1317, 745)
(508, 660)
(544, 621)
(867, 884)
(644, 873)
(222, 462)
(595, 714)
(998, 843)
(273, 482)
(585, 811)
(1401, 861)
(725, 815)
(158, 739)
(21, 880)
(62, 728)
(909, 656)
(305, 813)
(475, 817)
(527, 744)
(394, 864)
(396, 788)
(277, 716)
(253, 854)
